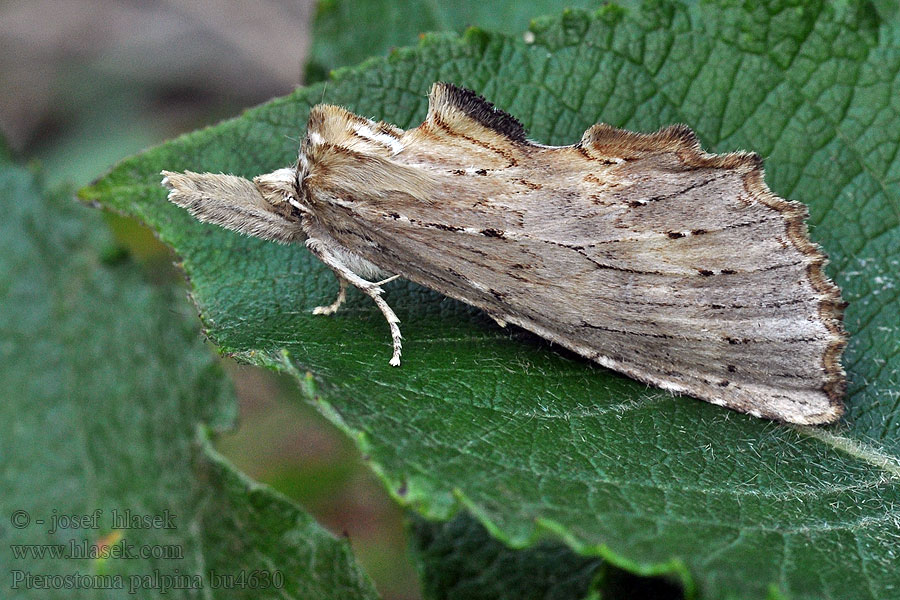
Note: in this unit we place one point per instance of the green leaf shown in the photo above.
(338, 40)
(107, 390)
(531, 440)
(458, 559)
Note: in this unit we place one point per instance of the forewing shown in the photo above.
(641, 252)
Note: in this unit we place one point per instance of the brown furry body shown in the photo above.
(639, 251)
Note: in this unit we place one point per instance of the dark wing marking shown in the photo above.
(469, 103)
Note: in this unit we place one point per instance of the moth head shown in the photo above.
(266, 207)
(280, 188)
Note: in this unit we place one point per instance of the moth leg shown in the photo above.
(372, 290)
(334, 306)
(375, 294)
(388, 280)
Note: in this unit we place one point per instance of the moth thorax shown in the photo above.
(278, 187)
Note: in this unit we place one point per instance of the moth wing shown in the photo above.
(639, 251)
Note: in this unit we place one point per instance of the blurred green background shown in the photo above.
(99, 80)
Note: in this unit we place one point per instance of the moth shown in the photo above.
(638, 251)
